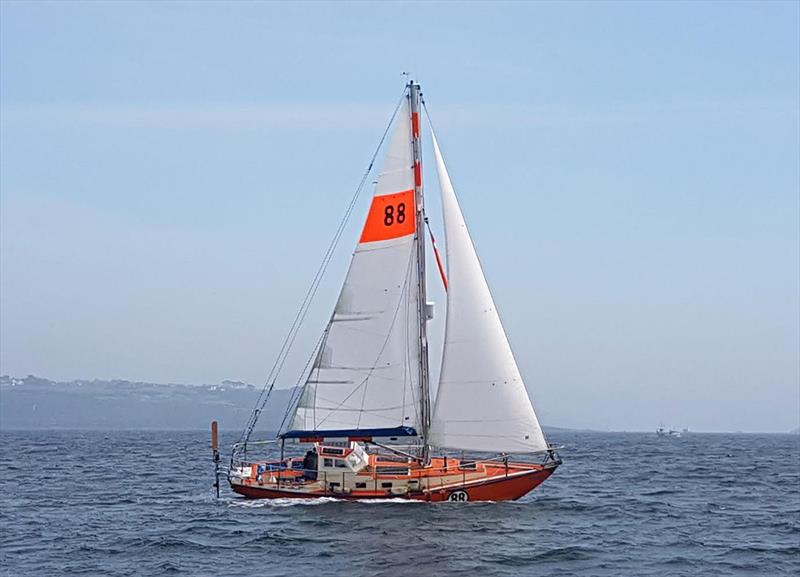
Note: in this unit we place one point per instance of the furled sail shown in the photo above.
(366, 373)
(481, 403)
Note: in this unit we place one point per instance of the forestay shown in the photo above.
(365, 374)
(481, 403)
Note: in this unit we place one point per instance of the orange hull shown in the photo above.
(496, 488)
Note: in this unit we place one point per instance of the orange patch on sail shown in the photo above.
(390, 216)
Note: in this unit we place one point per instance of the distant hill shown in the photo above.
(36, 403)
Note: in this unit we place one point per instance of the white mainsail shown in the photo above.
(367, 370)
(481, 403)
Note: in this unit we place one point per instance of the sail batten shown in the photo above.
(482, 403)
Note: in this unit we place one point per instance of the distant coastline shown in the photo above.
(33, 403)
(37, 403)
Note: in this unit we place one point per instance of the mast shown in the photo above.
(425, 397)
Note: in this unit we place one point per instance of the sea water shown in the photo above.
(141, 503)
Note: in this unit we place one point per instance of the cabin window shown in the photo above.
(340, 464)
(388, 470)
(394, 459)
(327, 462)
(386, 485)
(361, 485)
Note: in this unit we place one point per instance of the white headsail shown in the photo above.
(481, 403)
(367, 370)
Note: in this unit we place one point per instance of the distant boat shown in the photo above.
(365, 411)
(663, 432)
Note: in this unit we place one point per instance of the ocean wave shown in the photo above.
(116, 503)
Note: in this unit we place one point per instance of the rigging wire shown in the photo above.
(288, 341)
(439, 263)
(298, 390)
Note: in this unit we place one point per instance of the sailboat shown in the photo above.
(662, 431)
(363, 415)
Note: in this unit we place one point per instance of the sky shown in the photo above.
(171, 174)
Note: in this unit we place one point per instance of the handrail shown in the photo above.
(265, 442)
(454, 469)
(393, 448)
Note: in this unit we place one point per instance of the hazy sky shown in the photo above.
(171, 173)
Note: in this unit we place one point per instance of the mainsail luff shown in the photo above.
(481, 403)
